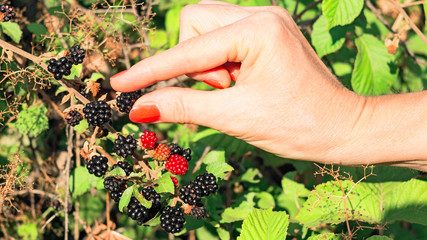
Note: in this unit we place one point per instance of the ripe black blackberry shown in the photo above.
(135, 210)
(198, 212)
(59, 68)
(172, 219)
(73, 117)
(124, 146)
(8, 12)
(125, 101)
(186, 153)
(97, 113)
(76, 55)
(151, 195)
(116, 195)
(207, 183)
(152, 212)
(191, 193)
(125, 166)
(177, 150)
(97, 165)
(113, 184)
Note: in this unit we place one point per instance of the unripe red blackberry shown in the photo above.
(161, 152)
(198, 211)
(97, 165)
(191, 194)
(125, 101)
(76, 55)
(148, 139)
(125, 166)
(207, 183)
(177, 165)
(97, 113)
(151, 195)
(175, 181)
(124, 146)
(172, 219)
(73, 117)
(113, 184)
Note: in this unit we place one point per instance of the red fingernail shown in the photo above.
(233, 77)
(144, 113)
(213, 83)
(118, 74)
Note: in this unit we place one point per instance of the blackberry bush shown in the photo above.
(97, 113)
(124, 146)
(172, 219)
(125, 101)
(98, 165)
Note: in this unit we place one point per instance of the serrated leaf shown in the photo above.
(325, 236)
(125, 198)
(240, 210)
(131, 128)
(165, 184)
(264, 224)
(374, 70)
(82, 126)
(81, 181)
(249, 176)
(32, 121)
(219, 169)
(265, 200)
(37, 28)
(215, 156)
(118, 171)
(13, 30)
(142, 200)
(341, 12)
(378, 237)
(327, 41)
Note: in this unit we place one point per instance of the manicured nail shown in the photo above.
(233, 76)
(213, 83)
(118, 74)
(144, 113)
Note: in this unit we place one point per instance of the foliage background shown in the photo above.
(373, 47)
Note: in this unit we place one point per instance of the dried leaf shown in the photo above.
(103, 97)
(66, 98)
(94, 87)
(392, 45)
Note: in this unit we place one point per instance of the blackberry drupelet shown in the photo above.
(97, 165)
(125, 101)
(191, 193)
(175, 149)
(124, 146)
(73, 117)
(125, 166)
(113, 184)
(135, 210)
(8, 12)
(97, 113)
(207, 183)
(59, 68)
(76, 55)
(198, 212)
(151, 195)
(172, 219)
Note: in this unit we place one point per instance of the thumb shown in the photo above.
(182, 105)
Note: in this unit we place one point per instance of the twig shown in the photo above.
(38, 192)
(51, 219)
(295, 9)
(199, 162)
(404, 5)
(310, 6)
(67, 172)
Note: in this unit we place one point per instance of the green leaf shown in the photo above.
(165, 184)
(324, 41)
(215, 161)
(293, 195)
(265, 200)
(249, 176)
(136, 174)
(37, 28)
(240, 210)
(325, 236)
(125, 198)
(377, 237)
(28, 231)
(142, 200)
(131, 128)
(32, 121)
(95, 76)
(264, 224)
(13, 30)
(341, 12)
(118, 171)
(375, 203)
(82, 126)
(76, 71)
(158, 39)
(374, 69)
(425, 13)
(172, 24)
(81, 181)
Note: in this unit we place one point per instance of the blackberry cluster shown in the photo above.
(8, 12)
(151, 195)
(148, 140)
(198, 212)
(207, 183)
(125, 166)
(73, 118)
(135, 210)
(176, 149)
(177, 165)
(97, 113)
(76, 55)
(97, 165)
(191, 193)
(115, 186)
(172, 219)
(125, 101)
(124, 146)
(60, 67)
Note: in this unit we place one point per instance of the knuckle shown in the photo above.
(281, 12)
(270, 22)
(187, 11)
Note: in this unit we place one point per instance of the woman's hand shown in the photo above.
(284, 101)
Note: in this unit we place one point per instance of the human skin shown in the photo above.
(284, 101)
